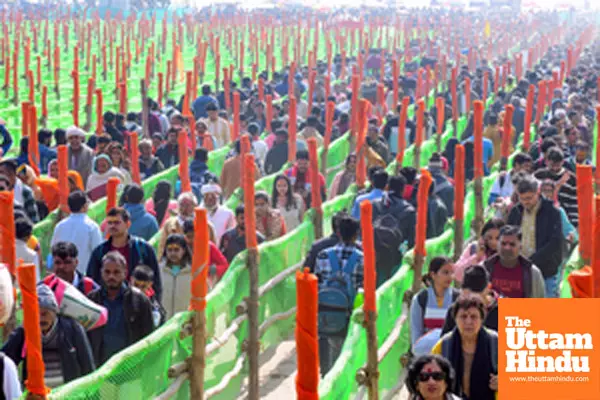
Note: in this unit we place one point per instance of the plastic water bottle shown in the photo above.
(359, 299)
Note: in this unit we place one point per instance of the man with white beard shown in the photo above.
(220, 216)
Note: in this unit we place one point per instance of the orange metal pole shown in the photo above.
(307, 344)
(33, 336)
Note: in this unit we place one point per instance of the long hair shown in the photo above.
(161, 197)
(290, 201)
(179, 239)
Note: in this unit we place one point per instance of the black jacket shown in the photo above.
(437, 215)
(138, 315)
(140, 252)
(445, 191)
(317, 247)
(402, 210)
(548, 236)
(168, 155)
(276, 158)
(75, 351)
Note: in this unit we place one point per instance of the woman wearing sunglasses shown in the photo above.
(472, 351)
(430, 377)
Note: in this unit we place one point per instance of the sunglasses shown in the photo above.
(437, 376)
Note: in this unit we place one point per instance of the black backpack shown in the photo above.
(388, 240)
(2, 356)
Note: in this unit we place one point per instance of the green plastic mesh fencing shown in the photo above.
(338, 151)
(97, 211)
(140, 371)
(148, 360)
(340, 382)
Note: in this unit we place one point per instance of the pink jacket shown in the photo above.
(150, 208)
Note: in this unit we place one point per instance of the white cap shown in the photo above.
(210, 188)
(75, 131)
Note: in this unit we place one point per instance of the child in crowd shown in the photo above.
(142, 278)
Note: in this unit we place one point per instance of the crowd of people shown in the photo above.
(520, 251)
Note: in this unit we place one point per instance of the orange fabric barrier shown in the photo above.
(249, 214)
(135, 159)
(370, 274)
(596, 249)
(226, 89)
(111, 193)
(467, 95)
(292, 128)
(402, 129)
(33, 148)
(420, 122)
(24, 118)
(422, 198)
(123, 98)
(459, 182)
(354, 104)
(541, 102)
(528, 117)
(99, 106)
(160, 95)
(307, 344)
(45, 101)
(506, 137)
(316, 200)
(363, 123)
(33, 335)
(440, 107)
(269, 113)
(597, 175)
(582, 282)
(8, 252)
(329, 113)
(187, 94)
(245, 145)
(90, 93)
(478, 138)
(261, 89)
(311, 89)
(199, 287)
(585, 198)
(236, 116)
(63, 179)
(184, 171)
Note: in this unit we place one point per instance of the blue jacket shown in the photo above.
(140, 252)
(46, 155)
(143, 224)
(7, 140)
(199, 106)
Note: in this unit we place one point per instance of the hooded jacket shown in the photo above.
(143, 224)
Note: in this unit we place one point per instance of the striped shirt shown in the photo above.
(567, 192)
